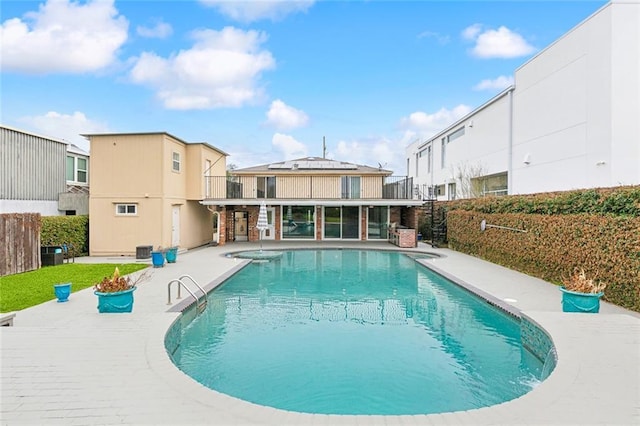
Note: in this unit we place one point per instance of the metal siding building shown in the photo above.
(32, 168)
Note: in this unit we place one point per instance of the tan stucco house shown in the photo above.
(312, 198)
(146, 190)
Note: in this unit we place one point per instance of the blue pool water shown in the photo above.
(354, 332)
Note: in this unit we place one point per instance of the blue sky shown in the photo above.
(267, 80)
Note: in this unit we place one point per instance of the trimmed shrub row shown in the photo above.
(620, 201)
(58, 230)
(606, 244)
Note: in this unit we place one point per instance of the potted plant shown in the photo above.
(580, 293)
(115, 293)
(157, 258)
(172, 254)
(62, 291)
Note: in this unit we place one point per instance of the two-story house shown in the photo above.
(146, 190)
(40, 174)
(312, 198)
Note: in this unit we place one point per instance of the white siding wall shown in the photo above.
(625, 94)
(484, 145)
(45, 208)
(576, 109)
(562, 112)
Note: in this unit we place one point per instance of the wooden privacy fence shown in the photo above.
(20, 251)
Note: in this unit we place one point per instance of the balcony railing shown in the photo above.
(310, 187)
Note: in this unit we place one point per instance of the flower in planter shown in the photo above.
(117, 282)
(579, 283)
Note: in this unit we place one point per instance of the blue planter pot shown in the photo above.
(62, 291)
(580, 302)
(118, 302)
(157, 257)
(172, 254)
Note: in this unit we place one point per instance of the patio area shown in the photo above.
(63, 363)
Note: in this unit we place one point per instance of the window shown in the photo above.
(76, 169)
(439, 190)
(418, 163)
(443, 153)
(71, 167)
(351, 187)
(451, 191)
(176, 161)
(266, 186)
(455, 135)
(491, 185)
(427, 152)
(81, 170)
(378, 218)
(126, 209)
(298, 222)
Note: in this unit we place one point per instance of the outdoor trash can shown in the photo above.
(51, 255)
(143, 252)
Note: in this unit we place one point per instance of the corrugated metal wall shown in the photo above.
(31, 167)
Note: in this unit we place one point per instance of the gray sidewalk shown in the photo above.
(63, 363)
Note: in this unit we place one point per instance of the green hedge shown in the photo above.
(620, 201)
(606, 245)
(57, 230)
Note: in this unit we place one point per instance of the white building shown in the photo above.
(571, 120)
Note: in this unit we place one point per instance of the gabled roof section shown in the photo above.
(308, 165)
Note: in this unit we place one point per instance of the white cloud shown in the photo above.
(222, 69)
(373, 152)
(499, 83)
(423, 125)
(284, 117)
(67, 127)
(159, 30)
(63, 36)
(250, 11)
(500, 43)
(471, 32)
(289, 147)
(440, 38)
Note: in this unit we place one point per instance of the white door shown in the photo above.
(175, 226)
(270, 232)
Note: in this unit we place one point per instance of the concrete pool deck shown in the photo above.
(63, 363)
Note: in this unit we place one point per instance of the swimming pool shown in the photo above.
(354, 332)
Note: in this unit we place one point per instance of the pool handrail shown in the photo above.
(201, 306)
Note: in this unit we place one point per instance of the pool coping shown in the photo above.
(595, 381)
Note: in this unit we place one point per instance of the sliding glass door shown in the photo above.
(342, 222)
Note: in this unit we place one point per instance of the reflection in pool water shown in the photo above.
(355, 332)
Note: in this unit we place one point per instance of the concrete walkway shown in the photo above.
(63, 363)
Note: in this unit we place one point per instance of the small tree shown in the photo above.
(467, 182)
(231, 167)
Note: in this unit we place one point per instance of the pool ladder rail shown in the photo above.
(201, 305)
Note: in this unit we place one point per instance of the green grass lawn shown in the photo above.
(21, 291)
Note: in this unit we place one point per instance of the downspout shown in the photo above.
(510, 146)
